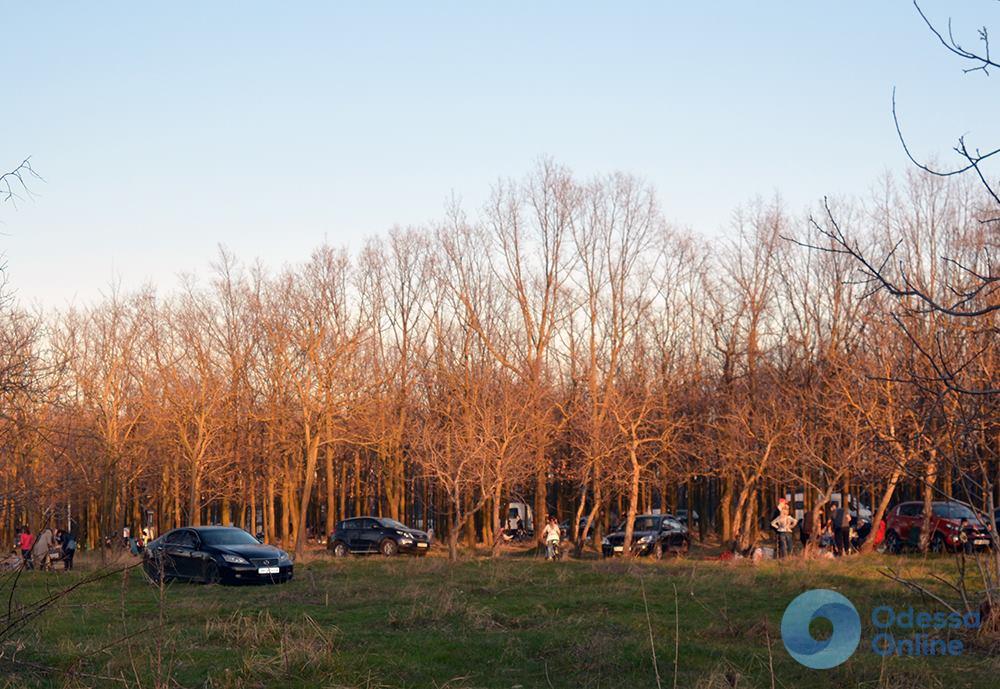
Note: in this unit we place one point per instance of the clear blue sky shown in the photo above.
(269, 127)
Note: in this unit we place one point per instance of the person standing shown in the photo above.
(551, 535)
(784, 524)
(26, 543)
(841, 530)
(805, 529)
(40, 551)
(68, 549)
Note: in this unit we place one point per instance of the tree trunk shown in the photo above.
(930, 478)
(883, 505)
(497, 528)
(725, 509)
(270, 532)
(331, 492)
(312, 455)
(633, 503)
(541, 488)
(194, 496)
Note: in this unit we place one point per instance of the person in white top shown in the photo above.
(551, 536)
(784, 523)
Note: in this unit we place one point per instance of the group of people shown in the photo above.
(839, 532)
(136, 542)
(49, 545)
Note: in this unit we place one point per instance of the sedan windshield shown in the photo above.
(227, 537)
(643, 524)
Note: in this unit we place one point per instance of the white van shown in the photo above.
(857, 509)
(520, 512)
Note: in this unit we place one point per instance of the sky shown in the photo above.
(164, 130)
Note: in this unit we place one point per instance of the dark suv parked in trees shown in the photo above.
(376, 535)
(903, 524)
(653, 534)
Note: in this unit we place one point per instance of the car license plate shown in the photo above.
(267, 570)
(619, 548)
(981, 541)
(421, 545)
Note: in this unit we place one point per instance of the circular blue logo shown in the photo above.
(832, 606)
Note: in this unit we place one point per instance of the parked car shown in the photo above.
(903, 524)
(214, 554)
(653, 534)
(376, 535)
(566, 527)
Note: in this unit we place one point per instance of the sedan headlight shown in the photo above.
(646, 539)
(235, 559)
(605, 541)
(283, 556)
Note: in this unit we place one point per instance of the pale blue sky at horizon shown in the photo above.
(164, 131)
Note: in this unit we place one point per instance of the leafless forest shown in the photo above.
(564, 345)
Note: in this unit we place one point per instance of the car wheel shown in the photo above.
(892, 543)
(938, 544)
(388, 547)
(153, 573)
(658, 550)
(339, 549)
(211, 575)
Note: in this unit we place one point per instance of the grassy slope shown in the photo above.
(480, 623)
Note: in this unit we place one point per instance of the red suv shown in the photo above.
(903, 524)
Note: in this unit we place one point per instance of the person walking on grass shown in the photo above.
(40, 552)
(68, 545)
(784, 524)
(550, 536)
(25, 542)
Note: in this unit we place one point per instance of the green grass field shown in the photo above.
(512, 622)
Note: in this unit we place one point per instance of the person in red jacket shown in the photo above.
(880, 533)
(27, 541)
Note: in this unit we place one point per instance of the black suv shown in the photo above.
(653, 534)
(376, 535)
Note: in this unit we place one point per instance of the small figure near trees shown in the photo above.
(551, 537)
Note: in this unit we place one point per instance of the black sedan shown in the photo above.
(376, 535)
(652, 534)
(214, 554)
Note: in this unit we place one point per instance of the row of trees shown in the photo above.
(564, 345)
